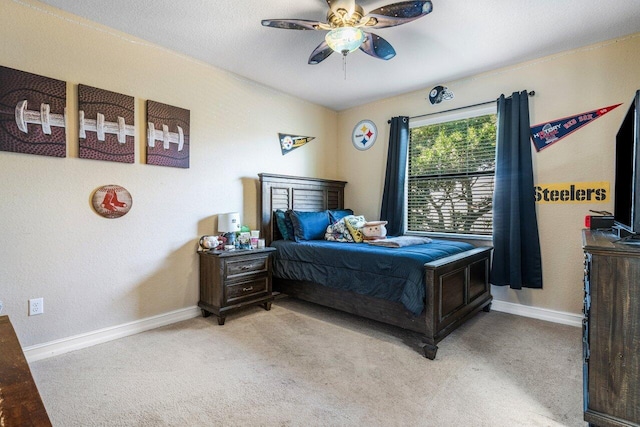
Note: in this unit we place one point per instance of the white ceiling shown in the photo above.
(458, 39)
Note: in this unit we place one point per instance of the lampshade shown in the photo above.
(229, 222)
(345, 39)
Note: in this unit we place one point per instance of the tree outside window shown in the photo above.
(451, 175)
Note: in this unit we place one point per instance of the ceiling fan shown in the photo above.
(346, 22)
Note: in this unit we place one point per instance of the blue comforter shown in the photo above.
(395, 274)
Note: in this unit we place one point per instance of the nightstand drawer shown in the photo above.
(240, 267)
(245, 289)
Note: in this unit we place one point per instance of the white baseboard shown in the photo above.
(64, 345)
(77, 342)
(538, 313)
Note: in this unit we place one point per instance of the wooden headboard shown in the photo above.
(297, 193)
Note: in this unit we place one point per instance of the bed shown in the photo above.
(456, 287)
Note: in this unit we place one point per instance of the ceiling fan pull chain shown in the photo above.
(344, 65)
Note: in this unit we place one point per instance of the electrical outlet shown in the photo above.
(1, 307)
(36, 306)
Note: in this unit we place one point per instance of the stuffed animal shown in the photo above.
(212, 242)
(374, 230)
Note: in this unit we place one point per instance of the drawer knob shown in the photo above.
(250, 288)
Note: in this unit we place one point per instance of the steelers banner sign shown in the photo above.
(288, 142)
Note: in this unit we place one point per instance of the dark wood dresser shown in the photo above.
(20, 402)
(611, 330)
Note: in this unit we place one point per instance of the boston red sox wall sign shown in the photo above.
(545, 134)
(111, 201)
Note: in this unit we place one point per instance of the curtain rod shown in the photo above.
(531, 93)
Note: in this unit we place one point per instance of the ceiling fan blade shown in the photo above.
(397, 14)
(377, 47)
(293, 24)
(320, 53)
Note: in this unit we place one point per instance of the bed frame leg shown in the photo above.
(429, 351)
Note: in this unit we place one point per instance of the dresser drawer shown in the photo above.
(240, 267)
(239, 290)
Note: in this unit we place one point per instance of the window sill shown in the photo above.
(456, 236)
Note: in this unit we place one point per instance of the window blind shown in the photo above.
(451, 176)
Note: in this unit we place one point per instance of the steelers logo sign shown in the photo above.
(364, 135)
(287, 143)
(111, 201)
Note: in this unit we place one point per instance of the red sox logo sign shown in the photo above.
(111, 201)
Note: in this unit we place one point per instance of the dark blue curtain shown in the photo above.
(394, 182)
(516, 257)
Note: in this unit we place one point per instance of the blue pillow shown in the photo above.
(285, 226)
(337, 214)
(309, 225)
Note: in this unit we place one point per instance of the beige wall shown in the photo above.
(93, 272)
(566, 84)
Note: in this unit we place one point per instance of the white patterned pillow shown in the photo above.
(355, 223)
(338, 232)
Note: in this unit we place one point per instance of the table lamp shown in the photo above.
(229, 224)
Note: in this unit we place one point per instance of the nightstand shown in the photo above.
(232, 280)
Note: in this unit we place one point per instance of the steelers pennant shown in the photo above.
(288, 143)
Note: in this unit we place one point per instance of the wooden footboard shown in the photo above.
(457, 287)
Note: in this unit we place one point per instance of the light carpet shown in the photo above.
(305, 365)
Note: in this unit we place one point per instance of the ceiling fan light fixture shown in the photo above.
(345, 21)
(345, 39)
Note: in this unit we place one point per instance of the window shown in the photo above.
(450, 172)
